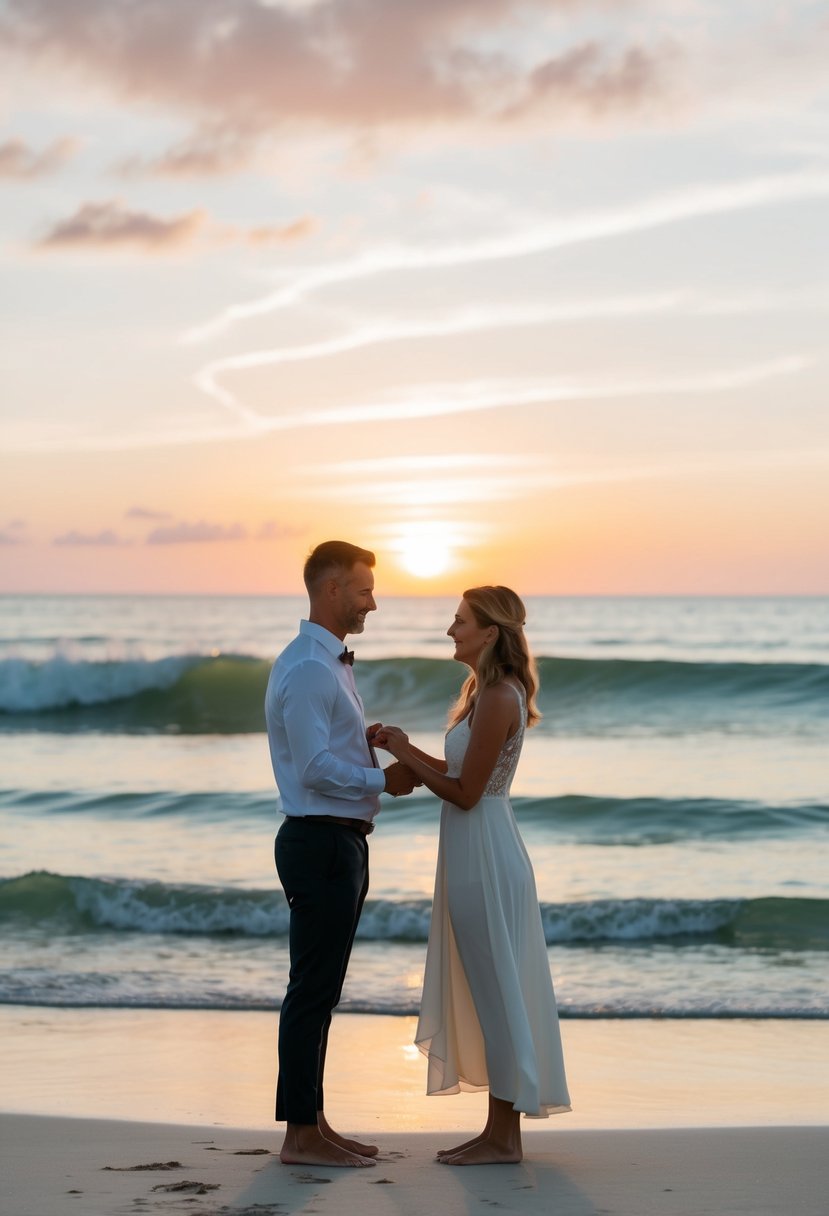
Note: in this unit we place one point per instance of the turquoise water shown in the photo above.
(674, 800)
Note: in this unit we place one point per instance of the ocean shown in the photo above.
(674, 801)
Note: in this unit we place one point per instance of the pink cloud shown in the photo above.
(271, 530)
(211, 150)
(106, 538)
(111, 225)
(13, 533)
(589, 79)
(247, 68)
(19, 160)
(146, 513)
(185, 533)
(285, 234)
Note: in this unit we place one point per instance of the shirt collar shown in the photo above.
(325, 637)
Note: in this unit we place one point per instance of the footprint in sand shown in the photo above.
(187, 1187)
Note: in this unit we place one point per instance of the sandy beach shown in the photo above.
(104, 1168)
(671, 1117)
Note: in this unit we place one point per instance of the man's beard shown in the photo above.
(355, 623)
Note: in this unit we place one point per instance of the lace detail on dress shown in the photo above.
(500, 781)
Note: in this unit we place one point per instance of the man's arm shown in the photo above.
(308, 697)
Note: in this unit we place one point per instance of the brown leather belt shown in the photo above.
(363, 826)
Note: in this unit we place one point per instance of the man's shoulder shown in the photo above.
(303, 648)
(303, 656)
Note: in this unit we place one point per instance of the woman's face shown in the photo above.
(469, 637)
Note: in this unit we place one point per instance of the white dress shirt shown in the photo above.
(317, 731)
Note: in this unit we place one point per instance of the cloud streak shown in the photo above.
(426, 401)
(445, 399)
(199, 533)
(437, 483)
(693, 203)
(476, 319)
(145, 513)
(427, 482)
(106, 539)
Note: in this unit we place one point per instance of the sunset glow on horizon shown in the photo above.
(527, 293)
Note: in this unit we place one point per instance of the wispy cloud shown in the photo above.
(477, 319)
(19, 160)
(145, 513)
(112, 225)
(589, 79)
(431, 482)
(445, 398)
(697, 202)
(211, 151)
(198, 533)
(498, 317)
(105, 539)
(272, 530)
(282, 234)
(393, 466)
(13, 532)
(428, 481)
(424, 401)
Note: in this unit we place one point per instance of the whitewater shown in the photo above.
(674, 800)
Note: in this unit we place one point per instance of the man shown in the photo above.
(330, 784)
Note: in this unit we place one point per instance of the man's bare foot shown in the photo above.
(305, 1145)
(485, 1152)
(353, 1146)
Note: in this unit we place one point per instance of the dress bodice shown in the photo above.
(457, 741)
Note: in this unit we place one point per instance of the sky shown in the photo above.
(523, 292)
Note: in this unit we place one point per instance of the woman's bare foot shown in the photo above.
(305, 1144)
(450, 1152)
(485, 1152)
(352, 1146)
(498, 1144)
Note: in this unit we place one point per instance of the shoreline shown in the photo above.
(218, 1069)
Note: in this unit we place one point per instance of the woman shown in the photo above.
(488, 1017)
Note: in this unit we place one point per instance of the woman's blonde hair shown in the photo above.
(507, 655)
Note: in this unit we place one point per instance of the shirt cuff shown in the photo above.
(375, 780)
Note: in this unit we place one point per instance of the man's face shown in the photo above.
(356, 597)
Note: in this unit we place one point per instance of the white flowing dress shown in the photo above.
(488, 1017)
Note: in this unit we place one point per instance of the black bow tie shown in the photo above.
(347, 656)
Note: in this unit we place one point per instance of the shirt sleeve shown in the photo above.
(308, 698)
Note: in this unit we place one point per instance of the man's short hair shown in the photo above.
(331, 558)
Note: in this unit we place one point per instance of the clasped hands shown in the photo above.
(399, 777)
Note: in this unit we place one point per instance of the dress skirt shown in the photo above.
(488, 1017)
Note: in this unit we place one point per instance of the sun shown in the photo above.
(425, 559)
(423, 551)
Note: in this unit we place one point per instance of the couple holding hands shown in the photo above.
(488, 1017)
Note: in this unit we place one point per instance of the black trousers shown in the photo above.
(323, 868)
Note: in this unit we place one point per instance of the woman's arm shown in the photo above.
(439, 765)
(495, 719)
(376, 735)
